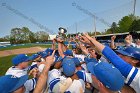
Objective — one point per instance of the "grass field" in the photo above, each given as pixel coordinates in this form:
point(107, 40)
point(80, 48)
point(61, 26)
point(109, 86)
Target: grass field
point(6, 62)
point(25, 46)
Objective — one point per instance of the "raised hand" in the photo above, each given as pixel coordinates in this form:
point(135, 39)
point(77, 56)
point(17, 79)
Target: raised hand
point(113, 38)
point(128, 39)
point(83, 48)
point(85, 40)
point(50, 59)
point(87, 36)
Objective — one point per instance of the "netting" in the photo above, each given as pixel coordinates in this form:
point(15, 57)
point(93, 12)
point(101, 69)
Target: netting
point(103, 19)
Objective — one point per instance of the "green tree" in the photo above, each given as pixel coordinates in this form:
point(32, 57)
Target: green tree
point(15, 36)
point(108, 31)
point(5, 39)
point(114, 28)
point(41, 36)
point(93, 33)
point(135, 26)
point(2, 40)
point(125, 23)
point(21, 35)
point(25, 34)
point(32, 37)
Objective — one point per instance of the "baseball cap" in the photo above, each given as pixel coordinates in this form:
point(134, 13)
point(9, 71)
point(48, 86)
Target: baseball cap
point(120, 47)
point(10, 83)
point(61, 85)
point(107, 74)
point(87, 60)
point(68, 52)
point(77, 61)
point(131, 52)
point(68, 66)
point(20, 58)
point(39, 53)
point(58, 59)
point(33, 57)
point(49, 51)
point(44, 54)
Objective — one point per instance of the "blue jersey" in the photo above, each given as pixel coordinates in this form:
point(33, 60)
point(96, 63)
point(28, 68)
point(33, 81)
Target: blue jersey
point(131, 74)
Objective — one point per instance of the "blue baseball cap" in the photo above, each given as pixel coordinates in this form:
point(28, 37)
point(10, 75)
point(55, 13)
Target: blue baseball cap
point(77, 61)
point(44, 54)
point(9, 83)
point(33, 57)
point(87, 60)
point(108, 75)
point(68, 66)
point(39, 53)
point(68, 52)
point(120, 47)
point(49, 51)
point(20, 58)
point(131, 52)
point(58, 59)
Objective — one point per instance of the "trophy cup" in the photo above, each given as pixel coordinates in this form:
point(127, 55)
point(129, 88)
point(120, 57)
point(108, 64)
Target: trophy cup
point(61, 33)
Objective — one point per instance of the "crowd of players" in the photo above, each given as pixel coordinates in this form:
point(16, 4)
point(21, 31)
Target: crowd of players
point(84, 67)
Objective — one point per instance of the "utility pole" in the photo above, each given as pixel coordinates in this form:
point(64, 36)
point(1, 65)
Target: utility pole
point(94, 25)
point(134, 8)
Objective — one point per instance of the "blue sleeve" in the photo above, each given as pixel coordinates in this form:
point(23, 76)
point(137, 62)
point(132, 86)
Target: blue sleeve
point(81, 75)
point(119, 63)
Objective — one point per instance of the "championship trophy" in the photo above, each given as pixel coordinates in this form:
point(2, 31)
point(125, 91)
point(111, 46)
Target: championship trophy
point(61, 33)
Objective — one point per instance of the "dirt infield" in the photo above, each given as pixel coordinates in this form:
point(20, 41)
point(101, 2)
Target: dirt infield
point(20, 51)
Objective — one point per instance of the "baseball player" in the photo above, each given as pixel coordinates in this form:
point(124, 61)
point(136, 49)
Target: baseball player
point(16, 76)
point(132, 74)
point(20, 67)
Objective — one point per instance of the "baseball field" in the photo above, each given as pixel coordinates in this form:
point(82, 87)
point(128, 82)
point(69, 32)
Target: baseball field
point(7, 53)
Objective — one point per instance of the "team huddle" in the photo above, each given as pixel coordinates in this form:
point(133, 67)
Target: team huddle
point(87, 66)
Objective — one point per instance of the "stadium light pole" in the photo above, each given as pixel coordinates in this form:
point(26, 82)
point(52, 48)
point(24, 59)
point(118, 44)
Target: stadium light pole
point(94, 25)
point(134, 8)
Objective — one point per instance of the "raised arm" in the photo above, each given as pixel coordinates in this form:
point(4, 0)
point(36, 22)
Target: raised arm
point(53, 44)
point(123, 66)
point(42, 80)
point(60, 46)
point(94, 42)
point(128, 40)
point(112, 45)
point(83, 48)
